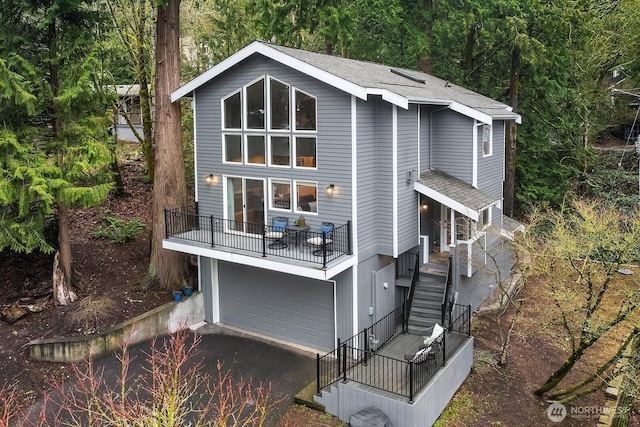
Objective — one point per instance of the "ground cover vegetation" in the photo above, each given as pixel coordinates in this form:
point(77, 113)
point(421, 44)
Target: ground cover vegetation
point(553, 63)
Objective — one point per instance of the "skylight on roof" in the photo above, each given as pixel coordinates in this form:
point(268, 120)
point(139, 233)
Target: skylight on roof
point(407, 75)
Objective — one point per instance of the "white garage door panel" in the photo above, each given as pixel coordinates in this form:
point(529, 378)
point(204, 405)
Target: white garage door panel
point(286, 307)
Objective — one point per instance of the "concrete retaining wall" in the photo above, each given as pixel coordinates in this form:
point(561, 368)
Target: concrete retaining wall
point(163, 320)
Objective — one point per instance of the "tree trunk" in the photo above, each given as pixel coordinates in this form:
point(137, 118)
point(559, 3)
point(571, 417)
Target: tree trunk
point(511, 136)
point(63, 293)
point(425, 57)
point(168, 269)
point(64, 240)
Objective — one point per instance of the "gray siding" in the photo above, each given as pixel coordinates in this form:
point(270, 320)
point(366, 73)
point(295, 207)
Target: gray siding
point(204, 267)
point(408, 226)
point(344, 304)
point(367, 290)
point(374, 155)
point(333, 142)
point(425, 137)
point(490, 168)
point(452, 137)
point(291, 308)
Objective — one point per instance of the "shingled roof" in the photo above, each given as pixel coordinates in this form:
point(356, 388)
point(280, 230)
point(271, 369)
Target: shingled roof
point(360, 78)
point(454, 193)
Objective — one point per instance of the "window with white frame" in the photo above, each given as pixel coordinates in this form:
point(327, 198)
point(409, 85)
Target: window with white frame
point(280, 149)
point(268, 122)
point(306, 197)
point(281, 194)
point(485, 218)
point(487, 145)
point(232, 148)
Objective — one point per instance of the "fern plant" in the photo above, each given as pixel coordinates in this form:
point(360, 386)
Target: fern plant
point(118, 230)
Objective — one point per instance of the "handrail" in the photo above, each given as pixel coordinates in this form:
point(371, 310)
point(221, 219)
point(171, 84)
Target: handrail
point(446, 304)
point(348, 362)
point(186, 224)
point(369, 339)
point(415, 275)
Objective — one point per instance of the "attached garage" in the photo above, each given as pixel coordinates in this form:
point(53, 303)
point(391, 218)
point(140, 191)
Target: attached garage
point(283, 306)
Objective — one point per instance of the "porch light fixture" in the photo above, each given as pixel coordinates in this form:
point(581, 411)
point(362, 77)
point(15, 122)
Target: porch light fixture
point(331, 189)
point(424, 206)
point(210, 179)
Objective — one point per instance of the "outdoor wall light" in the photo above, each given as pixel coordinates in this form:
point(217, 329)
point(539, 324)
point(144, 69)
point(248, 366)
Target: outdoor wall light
point(210, 179)
point(424, 206)
point(331, 189)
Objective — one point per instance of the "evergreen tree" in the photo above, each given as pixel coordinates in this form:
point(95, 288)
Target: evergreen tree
point(56, 127)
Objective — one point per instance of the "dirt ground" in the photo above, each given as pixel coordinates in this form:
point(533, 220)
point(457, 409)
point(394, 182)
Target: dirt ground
point(491, 395)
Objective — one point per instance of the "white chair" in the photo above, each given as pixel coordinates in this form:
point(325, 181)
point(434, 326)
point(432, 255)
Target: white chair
point(323, 237)
point(277, 233)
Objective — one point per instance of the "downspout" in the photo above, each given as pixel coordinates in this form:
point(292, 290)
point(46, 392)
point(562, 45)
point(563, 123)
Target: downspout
point(474, 154)
point(354, 214)
point(394, 180)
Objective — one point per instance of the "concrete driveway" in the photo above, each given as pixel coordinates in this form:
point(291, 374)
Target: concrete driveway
point(287, 369)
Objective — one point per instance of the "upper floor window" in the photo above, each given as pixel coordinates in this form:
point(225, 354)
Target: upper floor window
point(306, 196)
point(232, 111)
point(269, 122)
point(487, 146)
point(305, 111)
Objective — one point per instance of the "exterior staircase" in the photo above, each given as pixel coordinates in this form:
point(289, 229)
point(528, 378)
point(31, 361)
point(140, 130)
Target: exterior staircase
point(426, 306)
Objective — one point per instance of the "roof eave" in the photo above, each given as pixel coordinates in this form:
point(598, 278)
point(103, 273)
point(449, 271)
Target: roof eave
point(276, 55)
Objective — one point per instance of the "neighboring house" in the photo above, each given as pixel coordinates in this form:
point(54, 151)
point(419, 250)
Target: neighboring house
point(403, 166)
point(128, 107)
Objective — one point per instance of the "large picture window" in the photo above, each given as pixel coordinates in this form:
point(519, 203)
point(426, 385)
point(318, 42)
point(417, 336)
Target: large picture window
point(232, 107)
point(305, 111)
point(255, 105)
point(270, 123)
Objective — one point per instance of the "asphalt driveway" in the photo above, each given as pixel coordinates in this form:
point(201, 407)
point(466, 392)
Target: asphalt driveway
point(288, 370)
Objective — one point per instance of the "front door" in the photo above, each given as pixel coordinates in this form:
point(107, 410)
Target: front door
point(245, 204)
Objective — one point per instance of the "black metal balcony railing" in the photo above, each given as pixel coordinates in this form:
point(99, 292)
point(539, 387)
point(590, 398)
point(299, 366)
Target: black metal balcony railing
point(354, 360)
point(186, 224)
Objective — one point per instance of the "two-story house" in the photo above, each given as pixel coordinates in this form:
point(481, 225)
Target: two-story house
point(321, 182)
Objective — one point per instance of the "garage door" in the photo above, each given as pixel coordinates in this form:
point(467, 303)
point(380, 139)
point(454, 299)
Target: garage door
point(282, 306)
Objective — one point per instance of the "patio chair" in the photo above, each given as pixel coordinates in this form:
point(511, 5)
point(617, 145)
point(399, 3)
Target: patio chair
point(432, 344)
point(277, 233)
point(325, 235)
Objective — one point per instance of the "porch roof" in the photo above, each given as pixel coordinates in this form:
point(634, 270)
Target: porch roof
point(454, 193)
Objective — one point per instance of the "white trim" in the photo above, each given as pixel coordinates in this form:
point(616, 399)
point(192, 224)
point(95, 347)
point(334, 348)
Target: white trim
point(490, 127)
point(270, 137)
point(354, 303)
point(269, 105)
point(394, 180)
point(292, 114)
point(272, 264)
point(294, 195)
point(245, 105)
point(270, 183)
point(354, 210)
point(448, 202)
point(474, 154)
point(276, 55)
point(470, 112)
point(196, 175)
point(224, 110)
point(390, 97)
point(354, 175)
point(335, 313)
point(215, 291)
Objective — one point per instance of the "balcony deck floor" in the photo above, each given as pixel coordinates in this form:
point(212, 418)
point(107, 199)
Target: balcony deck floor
point(298, 252)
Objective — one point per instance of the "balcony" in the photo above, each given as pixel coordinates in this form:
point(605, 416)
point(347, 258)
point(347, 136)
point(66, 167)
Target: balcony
point(184, 223)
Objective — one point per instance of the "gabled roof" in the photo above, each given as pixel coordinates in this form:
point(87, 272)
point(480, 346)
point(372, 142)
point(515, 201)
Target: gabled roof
point(400, 87)
point(454, 193)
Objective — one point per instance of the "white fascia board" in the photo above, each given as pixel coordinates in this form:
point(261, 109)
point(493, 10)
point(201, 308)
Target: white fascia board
point(276, 55)
point(516, 117)
point(390, 97)
point(444, 200)
point(258, 262)
point(470, 112)
point(394, 180)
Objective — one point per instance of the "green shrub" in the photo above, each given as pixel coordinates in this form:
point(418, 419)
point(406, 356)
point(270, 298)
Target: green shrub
point(118, 230)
